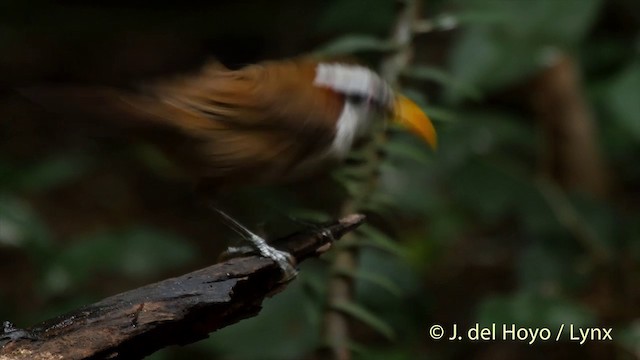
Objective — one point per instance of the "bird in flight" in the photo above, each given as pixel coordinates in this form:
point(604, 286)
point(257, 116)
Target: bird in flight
point(261, 124)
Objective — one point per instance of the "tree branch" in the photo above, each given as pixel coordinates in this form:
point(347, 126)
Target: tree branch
point(179, 310)
point(571, 154)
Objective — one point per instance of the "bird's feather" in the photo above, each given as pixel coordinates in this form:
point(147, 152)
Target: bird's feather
point(261, 123)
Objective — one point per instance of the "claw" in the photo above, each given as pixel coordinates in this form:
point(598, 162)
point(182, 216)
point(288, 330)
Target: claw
point(285, 261)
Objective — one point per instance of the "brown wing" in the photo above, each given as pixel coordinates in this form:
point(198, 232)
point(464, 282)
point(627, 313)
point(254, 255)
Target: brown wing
point(257, 123)
point(253, 124)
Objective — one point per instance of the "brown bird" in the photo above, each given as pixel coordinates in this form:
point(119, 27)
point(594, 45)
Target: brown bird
point(263, 123)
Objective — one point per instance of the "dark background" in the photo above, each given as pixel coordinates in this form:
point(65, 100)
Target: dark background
point(527, 214)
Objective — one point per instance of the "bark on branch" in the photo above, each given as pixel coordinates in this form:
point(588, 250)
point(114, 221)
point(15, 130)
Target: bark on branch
point(179, 310)
point(571, 154)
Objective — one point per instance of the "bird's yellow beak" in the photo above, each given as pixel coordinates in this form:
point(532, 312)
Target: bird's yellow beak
point(408, 114)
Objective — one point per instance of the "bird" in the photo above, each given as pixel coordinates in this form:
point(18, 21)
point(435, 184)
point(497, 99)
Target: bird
point(264, 123)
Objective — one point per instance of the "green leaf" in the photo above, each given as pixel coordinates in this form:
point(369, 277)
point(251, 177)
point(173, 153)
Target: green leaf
point(529, 309)
point(352, 44)
point(487, 62)
point(376, 279)
point(20, 226)
point(365, 316)
point(155, 159)
point(492, 55)
point(136, 252)
point(427, 73)
point(593, 225)
point(487, 189)
point(629, 337)
point(480, 16)
point(310, 215)
point(54, 171)
point(383, 353)
point(296, 337)
point(379, 208)
point(356, 16)
point(379, 203)
point(622, 99)
point(440, 114)
point(357, 156)
point(550, 264)
point(408, 150)
point(349, 172)
point(548, 22)
point(353, 187)
point(373, 237)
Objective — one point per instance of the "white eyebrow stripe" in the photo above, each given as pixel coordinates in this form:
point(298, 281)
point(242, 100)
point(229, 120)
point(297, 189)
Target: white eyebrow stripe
point(350, 79)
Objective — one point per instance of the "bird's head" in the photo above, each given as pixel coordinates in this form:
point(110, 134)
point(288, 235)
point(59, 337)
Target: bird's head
point(368, 96)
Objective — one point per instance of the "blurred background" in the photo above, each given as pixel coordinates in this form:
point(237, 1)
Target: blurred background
point(527, 213)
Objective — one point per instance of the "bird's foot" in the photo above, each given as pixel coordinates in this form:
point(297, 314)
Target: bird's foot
point(11, 333)
point(285, 261)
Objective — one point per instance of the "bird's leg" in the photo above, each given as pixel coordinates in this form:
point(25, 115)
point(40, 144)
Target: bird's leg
point(284, 260)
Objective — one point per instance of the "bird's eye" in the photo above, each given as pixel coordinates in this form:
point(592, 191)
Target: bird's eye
point(356, 99)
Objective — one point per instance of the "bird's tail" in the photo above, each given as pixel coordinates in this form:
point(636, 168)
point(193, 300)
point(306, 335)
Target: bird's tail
point(97, 108)
point(113, 115)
